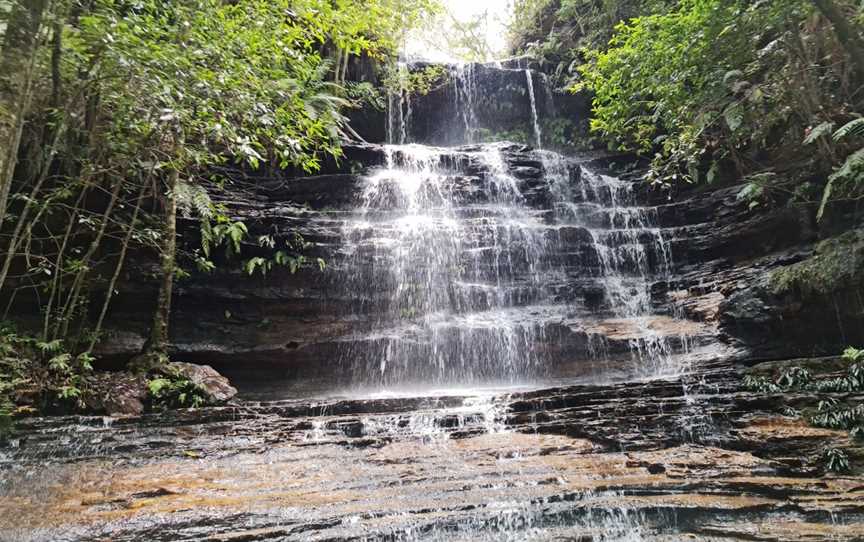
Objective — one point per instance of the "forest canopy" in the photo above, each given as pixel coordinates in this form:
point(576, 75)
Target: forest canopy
point(117, 117)
point(714, 89)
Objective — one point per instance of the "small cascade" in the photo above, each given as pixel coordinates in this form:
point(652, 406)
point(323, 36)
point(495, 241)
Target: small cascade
point(465, 96)
point(399, 109)
point(632, 255)
point(452, 274)
point(455, 269)
point(538, 133)
point(405, 134)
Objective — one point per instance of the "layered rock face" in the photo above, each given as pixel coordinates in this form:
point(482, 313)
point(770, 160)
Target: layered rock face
point(478, 264)
point(666, 460)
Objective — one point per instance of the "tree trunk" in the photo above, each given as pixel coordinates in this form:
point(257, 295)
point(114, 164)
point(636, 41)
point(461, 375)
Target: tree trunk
point(846, 32)
point(109, 295)
point(16, 78)
point(158, 344)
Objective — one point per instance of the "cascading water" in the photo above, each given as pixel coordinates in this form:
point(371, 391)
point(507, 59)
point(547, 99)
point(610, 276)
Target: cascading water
point(456, 274)
point(399, 110)
point(465, 96)
point(451, 272)
point(538, 133)
point(632, 254)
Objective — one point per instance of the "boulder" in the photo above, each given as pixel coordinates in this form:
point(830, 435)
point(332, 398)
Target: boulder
point(215, 387)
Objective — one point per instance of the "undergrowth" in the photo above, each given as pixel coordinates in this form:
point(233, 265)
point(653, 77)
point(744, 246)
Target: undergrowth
point(838, 263)
point(838, 411)
point(38, 375)
point(170, 390)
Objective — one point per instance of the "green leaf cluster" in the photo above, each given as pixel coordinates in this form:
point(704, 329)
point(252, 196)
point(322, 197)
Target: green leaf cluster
point(170, 392)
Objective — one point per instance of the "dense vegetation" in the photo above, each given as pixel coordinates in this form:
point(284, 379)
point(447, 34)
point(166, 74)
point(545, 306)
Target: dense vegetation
point(766, 92)
point(827, 395)
point(115, 117)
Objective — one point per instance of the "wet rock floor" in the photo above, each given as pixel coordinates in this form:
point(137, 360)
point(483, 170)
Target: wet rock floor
point(688, 458)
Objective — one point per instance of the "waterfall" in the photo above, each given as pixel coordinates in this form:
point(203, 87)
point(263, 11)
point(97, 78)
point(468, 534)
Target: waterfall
point(456, 273)
point(406, 123)
point(455, 285)
point(465, 96)
point(398, 128)
point(538, 134)
point(632, 254)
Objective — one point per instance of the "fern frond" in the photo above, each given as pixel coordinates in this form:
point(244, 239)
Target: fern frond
point(193, 200)
point(853, 128)
point(826, 128)
point(851, 169)
point(853, 166)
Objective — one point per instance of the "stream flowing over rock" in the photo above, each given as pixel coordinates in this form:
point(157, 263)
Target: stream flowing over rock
point(504, 343)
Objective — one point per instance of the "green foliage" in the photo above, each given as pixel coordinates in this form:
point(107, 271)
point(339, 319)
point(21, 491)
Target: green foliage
point(846, 179)
point(837, 263)
point(365, 95)
point(854, 128)
point(823, 130)
point(173, 392)
point(146, 95)
point(836, 460)
point(853, 355)
point(760, 384)
point(699, 83)
point(36, 373)
point(559, 32)
point(678, 74)
point(289, 255)
point(838, 411)
point(401, 78)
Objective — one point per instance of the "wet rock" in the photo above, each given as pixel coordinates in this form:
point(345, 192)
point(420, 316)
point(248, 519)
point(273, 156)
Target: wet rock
point(117, 394)
point(672, 459)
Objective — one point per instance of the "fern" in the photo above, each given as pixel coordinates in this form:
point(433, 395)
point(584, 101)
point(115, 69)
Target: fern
point(850, 170)
point(822, 130)
point(193, 200)
point(853, 128)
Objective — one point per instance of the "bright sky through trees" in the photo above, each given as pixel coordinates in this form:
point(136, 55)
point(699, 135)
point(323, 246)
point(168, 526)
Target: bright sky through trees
point(432, 45)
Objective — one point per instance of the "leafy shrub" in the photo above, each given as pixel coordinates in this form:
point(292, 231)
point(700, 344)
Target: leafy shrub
point(172, 392)
point(760, 384)
point(830, 412)
point(47, 371)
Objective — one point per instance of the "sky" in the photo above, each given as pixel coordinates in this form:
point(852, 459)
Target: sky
point(465, 10)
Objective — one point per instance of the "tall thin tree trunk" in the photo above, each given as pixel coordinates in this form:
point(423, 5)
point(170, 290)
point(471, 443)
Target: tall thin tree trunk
point(56, 56)
point(58, 264)
point(846, 32)
point(121, 259)
point(158, 344)
point(16, 81)
point(78, 284)
point(21, 225)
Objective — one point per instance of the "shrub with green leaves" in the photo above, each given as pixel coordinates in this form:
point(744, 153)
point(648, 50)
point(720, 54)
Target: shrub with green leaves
point(170, 392)
point(836, 460)
point(717, 86)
